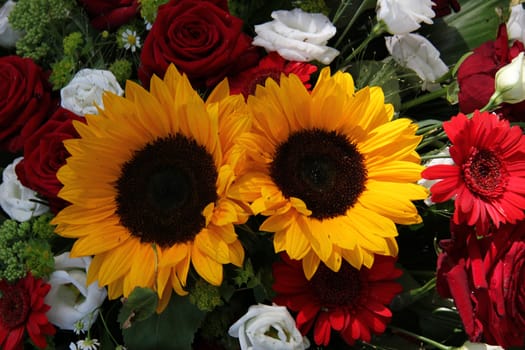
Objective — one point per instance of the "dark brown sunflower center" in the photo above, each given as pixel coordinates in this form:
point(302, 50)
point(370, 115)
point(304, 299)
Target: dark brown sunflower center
point(163, 189)
point(14, 307)
point(337, 288)
point(484, 174)
point(260, 79)
point(322, 168)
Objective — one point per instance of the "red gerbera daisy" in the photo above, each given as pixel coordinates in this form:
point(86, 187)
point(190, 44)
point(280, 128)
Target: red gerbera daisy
point(22, 307)
point(271, 66)
point(350, 301)
point(488, 177)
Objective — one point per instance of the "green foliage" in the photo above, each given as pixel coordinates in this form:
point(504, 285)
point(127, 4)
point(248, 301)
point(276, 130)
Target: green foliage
point(139, 306)
point(122, 69)
point(62, 72)
point(205, 296)
point(72, 43)
point(173, 329)
point(24, 246)
point(312, 6)
point(148, 9)
point(44, 23)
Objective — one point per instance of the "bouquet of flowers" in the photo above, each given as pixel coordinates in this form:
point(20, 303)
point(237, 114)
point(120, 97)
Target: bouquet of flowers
point(286, 174)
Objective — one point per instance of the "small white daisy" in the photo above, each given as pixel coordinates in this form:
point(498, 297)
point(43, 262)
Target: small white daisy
point(79, 327)
point(131, 40)
point(87, 344)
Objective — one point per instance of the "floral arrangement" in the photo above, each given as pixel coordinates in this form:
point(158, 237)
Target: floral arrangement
point(287, 174)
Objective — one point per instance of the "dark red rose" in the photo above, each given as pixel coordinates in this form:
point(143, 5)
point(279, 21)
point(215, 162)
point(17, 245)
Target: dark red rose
point(44, 154)
point(201, 39)
point(110, 14)
point(443, 7)
point(476, 75)
point(25, 101)
point(486, 278)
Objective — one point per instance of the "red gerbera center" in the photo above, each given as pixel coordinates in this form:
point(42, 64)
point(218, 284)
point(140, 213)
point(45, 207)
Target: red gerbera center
point(341, 288)
point(14, 306)
point(484, 174)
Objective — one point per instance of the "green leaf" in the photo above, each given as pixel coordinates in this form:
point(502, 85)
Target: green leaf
point(458, 33)
point(140, 305)
point(173, 329)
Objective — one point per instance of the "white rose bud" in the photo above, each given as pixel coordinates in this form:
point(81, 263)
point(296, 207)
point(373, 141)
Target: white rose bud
point(266, 327)
point(71, 300)
point(297, 36)
point(479, 346)
point(404, 16)
point(8, 35)
point(86, 89)
point(516, 23)
point(415, 52)
point(19, 202)
point(510, 81)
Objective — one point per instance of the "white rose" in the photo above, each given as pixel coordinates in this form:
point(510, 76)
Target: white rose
point(443, 157)
point(19, 202)
point(404, 16)
point(70, 299)
point(478, 346)
point(297, 36)
point(417, 53)
point(510, 81)
point(8, 35)
point(86, 89)
point(516, 23)
point(266, 327)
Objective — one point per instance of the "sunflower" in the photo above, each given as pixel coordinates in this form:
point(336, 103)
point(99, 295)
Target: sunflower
point(330, 169)
point(486, 179)
point(352, 302)
point(148, 184)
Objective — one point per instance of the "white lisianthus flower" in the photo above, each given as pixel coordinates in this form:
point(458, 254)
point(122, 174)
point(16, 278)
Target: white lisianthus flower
point(516, 23)
point(19, 202)
point(86, 89)
point(266, 327)
point(510, 81)
point(404, 16)
point(478, 346)
point(72, 301)
point(297, 36)
point(8, 35)
point(415, 52)
point(442, 157)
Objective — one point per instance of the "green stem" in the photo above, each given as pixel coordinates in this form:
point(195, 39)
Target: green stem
point(377, 30)
point(494, 102)
point(421, 338)
point(107, 328)
point(362, 7)
point(427, 157)
point(424, 98)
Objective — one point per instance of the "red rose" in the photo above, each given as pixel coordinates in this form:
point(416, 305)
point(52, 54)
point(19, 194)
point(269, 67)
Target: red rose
point(44, 154)
point(110, 14)
point(477, 73)
point(25, 101)
point(486, 278)
point(203, 40)
point(442, 7)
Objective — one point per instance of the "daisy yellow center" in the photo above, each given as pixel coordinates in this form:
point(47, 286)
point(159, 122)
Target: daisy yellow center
point(342, 288)
point(163, 189)
point(322, 168)
point(485, 174)
point(14, 307)
point(131, 39)
point(260, 79)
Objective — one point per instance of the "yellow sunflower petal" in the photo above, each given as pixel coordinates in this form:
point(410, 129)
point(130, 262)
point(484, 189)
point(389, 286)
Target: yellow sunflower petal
point(207, 268)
